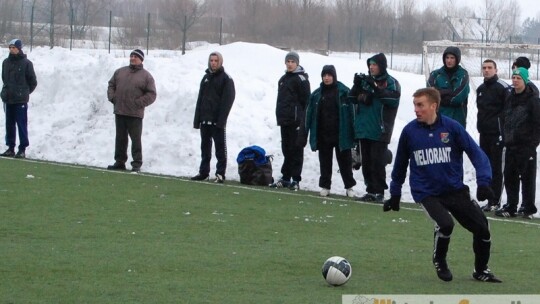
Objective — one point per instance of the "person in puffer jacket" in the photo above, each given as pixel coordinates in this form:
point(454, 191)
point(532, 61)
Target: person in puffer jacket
point(131, 89)
point(19, 81)
point(452, 82)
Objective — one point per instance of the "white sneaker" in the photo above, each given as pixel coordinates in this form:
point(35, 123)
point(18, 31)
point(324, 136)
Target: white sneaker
point(350, 192)
point(324, 192)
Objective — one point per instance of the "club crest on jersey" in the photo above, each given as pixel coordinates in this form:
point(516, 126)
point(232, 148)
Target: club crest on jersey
point(445, 137)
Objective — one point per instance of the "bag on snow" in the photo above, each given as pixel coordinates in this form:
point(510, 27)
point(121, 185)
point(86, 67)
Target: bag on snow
point(254, 166)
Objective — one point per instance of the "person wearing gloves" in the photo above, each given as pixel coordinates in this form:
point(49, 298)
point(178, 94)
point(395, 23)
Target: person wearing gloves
point(330, 124)
point(433, 145)
point(377, 97)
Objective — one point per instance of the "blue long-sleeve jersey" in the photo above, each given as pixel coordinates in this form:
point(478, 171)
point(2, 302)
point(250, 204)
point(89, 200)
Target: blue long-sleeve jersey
point(435, 153)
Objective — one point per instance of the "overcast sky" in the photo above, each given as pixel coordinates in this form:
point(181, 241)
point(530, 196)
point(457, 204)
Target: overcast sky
point(529, 8)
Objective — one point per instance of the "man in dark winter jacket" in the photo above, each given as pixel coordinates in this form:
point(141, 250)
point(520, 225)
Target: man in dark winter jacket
point(131, 89)
point(330, 124)
point(292, 98)
point(490, 97)
point(524, 62)
point(19, 81)
point(432, 146)
point(377, 97)
point(521, 137)
point(452, 82)
point(214, 103)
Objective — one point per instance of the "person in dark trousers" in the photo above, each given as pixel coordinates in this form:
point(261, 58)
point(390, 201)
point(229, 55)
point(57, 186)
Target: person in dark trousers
point(521, 137)
point(131, 89)
point(292, 98)
point(490, 97)
point(330, 124)
point(452, 82)
point(214, 103)
point(19, 81)
point(524, 62)
point(432, 146)
point(377, 97)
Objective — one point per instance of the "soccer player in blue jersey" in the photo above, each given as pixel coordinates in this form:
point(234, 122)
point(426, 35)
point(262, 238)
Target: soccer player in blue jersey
point(433, 146)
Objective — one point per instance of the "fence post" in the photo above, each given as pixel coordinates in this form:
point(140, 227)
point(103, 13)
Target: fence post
point(422, 62)
point(32, 29)
point(148, 34)
point(392, 50)
point(537, 58)
point(328, 42)
point(71, 31)
point(221, 31)
point(110, 30)
point(359, 42)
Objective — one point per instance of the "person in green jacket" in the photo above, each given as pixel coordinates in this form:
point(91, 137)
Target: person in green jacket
point(377, 97)
point(330, 125)
point(452, 82)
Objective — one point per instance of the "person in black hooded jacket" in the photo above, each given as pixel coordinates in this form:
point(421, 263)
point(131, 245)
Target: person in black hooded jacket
point(490, 97)
point(214, 103)
point(521, 138)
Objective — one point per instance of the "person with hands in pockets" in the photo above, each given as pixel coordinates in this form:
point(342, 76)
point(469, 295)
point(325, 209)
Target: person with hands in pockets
point(432, 146)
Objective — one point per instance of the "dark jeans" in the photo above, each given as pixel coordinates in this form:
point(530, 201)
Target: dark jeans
point(373, 165)
point(16, 118)
point(209, 133)
point(132, 126)
point(292, 153)
point(467, 212)
point(516, 173)
point(344, 159)
point(493, 148)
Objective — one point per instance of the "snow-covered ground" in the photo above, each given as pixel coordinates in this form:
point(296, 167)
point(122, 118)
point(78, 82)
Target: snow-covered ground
point(71, 121)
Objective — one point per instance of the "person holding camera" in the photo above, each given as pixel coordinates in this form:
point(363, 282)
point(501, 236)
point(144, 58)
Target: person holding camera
point(377, 97)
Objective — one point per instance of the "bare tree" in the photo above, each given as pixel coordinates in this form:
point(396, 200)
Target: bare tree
point(500, 19)
point(182, 14)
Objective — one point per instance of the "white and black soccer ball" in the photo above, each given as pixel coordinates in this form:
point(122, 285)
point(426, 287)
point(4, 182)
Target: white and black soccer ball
point(336, 270)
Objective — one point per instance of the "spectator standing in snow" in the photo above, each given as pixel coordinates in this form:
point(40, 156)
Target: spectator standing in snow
point(19, 81)
point(292, 98)
point(330, 124)
point(490, 98)
point(377, 97)
point(452, 82)
point(131, 89)
point(214, 103)
point(521, 137)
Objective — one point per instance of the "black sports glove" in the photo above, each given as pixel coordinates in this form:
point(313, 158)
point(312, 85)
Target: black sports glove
point(392, 203)
point(358, 79)
point(484, 193)
point(371, 82)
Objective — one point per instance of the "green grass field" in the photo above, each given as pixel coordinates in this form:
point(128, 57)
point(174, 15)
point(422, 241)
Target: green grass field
point(73, 234)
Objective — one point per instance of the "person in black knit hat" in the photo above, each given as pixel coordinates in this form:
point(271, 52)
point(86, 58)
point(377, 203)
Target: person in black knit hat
point(330, 124)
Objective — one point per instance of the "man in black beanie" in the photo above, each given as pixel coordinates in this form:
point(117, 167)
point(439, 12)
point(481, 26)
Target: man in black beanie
point(330, 124)
point(19, 81)
point(130, 98)
point(524, 62)
point(293, 93)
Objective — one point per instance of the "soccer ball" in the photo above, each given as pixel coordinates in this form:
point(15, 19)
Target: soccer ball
point(336, 271)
